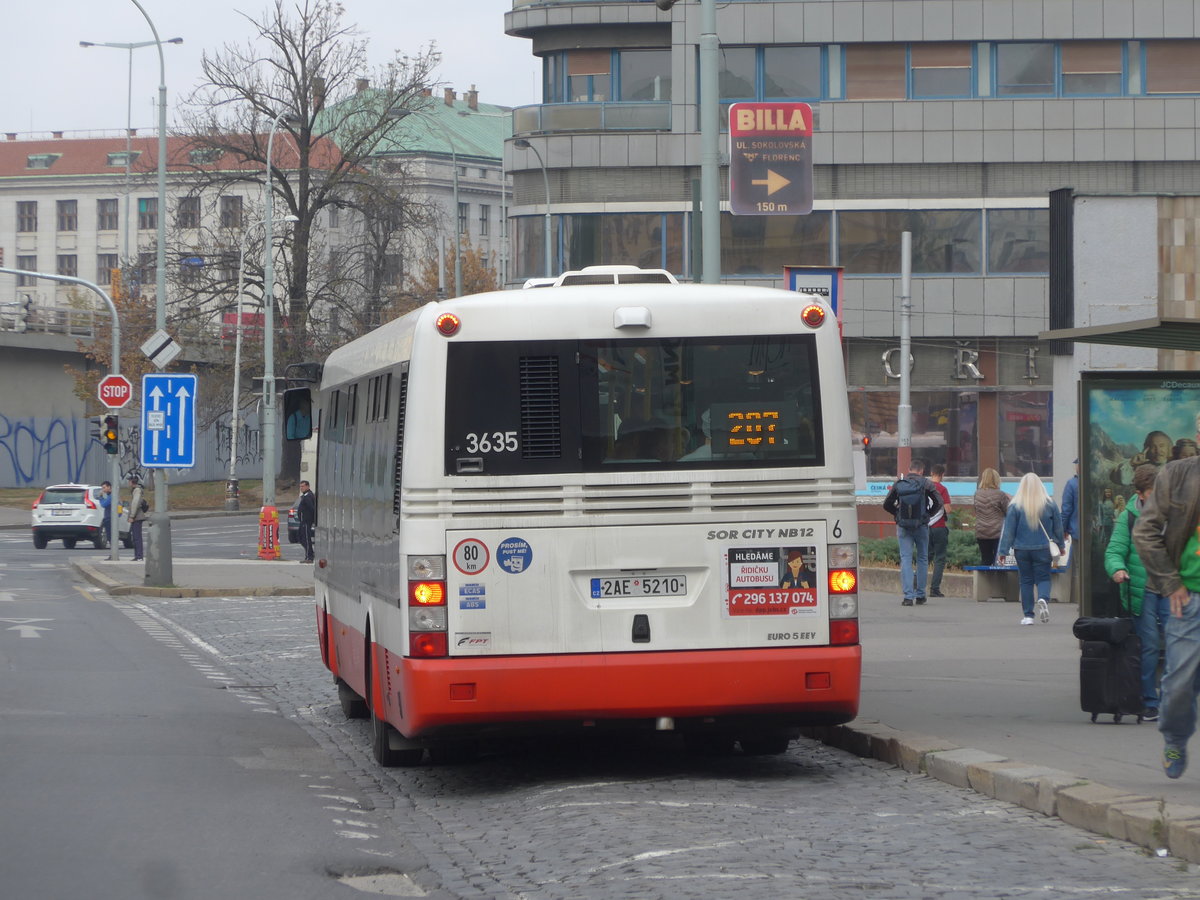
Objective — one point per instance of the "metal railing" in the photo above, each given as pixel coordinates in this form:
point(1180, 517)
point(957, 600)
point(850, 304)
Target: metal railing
point(609, 116)
point(35, 319)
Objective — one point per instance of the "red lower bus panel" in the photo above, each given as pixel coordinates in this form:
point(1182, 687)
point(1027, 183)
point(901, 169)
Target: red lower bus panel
point(816, 684)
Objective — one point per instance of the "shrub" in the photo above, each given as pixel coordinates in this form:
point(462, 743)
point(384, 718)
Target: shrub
point(961, 550)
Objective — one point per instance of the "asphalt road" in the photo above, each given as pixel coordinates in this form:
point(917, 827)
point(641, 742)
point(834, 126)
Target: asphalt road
point(194, 747)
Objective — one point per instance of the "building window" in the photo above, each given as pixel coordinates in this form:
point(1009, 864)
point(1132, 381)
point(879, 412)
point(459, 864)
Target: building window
point(763, 245)
point(393, 268)
point(464, 210)
point(1024, 70)
point(944, 242)
point(940, 70)
point(107, 218)
point(644, 74)
point(333, 216)
point(147, 213)
point(875, 72)
point(27, 215)
point(1092, 68)
point(1018, 241)
point(147, 267)
point(68, 264)
point(68, 215)
point(792, 73)
point(736, 78)
point(205, 156)
point(27, 264)
point(188, 214)
point(649, 240)
point(41, 160)
point(485, 213)
point(105, 263)
point(123, 158)
point(231, 212)
point(589, 75)
point(1173, 67)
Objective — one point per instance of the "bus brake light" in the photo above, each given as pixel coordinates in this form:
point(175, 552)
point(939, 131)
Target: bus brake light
point(428, 644)
point(843, 632)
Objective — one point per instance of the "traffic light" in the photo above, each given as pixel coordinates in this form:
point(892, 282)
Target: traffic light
point(98, 428)
point(866, 442)
point(110, 434)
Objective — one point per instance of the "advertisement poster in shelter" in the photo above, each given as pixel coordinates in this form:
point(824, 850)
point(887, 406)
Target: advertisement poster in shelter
point(1126, 420)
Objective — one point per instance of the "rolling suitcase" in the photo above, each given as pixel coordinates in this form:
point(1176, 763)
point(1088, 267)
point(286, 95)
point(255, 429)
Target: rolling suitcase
point(1110, 667)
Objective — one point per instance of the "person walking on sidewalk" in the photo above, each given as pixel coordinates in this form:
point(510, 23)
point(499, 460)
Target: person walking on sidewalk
point(306, 512)
point(1031, 524)
point(106, 499)
point(913, 501)
point(991, 504)
point(137, 516)
point(939, 532)
point(1149, 609)
point(1167, 542)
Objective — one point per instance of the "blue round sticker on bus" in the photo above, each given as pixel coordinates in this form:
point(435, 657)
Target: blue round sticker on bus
point(514, 555)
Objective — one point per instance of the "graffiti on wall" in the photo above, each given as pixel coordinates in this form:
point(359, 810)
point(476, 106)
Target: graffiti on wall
point(59, 449)
point(37, 451)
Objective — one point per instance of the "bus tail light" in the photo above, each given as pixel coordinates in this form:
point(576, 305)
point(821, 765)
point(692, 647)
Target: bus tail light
point(448, 324)
point(813, 315)
point(843, 632)
point(843, 594)
point(427, 606)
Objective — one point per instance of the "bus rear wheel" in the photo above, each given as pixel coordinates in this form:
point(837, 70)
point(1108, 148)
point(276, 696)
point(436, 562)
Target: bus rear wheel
point(353, 706)
point(386, 755)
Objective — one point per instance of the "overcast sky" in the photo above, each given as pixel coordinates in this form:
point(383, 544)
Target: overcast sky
point(49, 83)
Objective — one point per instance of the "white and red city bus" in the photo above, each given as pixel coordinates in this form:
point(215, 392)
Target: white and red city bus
point(589, 507)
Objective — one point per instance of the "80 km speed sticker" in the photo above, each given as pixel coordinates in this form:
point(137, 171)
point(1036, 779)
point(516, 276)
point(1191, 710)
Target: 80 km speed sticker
point(471, 556)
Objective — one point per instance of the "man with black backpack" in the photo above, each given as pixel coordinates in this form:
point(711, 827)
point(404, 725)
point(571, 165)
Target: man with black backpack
point(913, 500)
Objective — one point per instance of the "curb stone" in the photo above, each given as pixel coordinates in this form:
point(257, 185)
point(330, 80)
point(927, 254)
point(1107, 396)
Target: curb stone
point(1145, 821)
point(119, 589)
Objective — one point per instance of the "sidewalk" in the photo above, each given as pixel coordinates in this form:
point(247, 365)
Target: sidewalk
point(955, 689)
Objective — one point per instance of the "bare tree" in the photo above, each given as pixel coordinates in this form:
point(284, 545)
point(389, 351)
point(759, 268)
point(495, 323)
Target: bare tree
point(306, 70)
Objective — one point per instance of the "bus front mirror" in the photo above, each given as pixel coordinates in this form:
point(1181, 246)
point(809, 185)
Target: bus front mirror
point(297, 414)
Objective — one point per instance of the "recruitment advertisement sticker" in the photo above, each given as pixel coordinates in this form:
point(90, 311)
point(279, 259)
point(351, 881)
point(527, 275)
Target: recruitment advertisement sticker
point(771, 581)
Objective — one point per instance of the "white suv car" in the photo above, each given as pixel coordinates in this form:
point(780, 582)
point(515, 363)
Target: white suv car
point(73, 512)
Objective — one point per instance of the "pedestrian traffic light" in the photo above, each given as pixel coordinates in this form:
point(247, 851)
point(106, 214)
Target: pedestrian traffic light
point(866, 442)
point(110, 434)
point(98, 428)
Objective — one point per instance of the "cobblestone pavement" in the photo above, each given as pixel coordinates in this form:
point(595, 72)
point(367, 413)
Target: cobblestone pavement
point(640, 819)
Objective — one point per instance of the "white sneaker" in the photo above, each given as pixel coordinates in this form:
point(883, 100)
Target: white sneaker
point(1042, 610)
point(1028, 620)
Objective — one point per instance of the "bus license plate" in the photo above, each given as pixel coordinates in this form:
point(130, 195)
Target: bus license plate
point(640, 586)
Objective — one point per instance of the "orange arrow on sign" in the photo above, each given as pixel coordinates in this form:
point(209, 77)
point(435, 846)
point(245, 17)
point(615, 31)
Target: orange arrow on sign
point(774, 181)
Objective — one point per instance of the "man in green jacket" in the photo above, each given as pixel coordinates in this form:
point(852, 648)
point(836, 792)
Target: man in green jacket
point(1150, 610)
point(1167, 541)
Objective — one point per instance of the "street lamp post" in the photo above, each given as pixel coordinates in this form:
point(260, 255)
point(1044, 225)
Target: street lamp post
point(231, 500)
point(158, 559)
point(130, 46)
point(268, 419)
point(525, 145)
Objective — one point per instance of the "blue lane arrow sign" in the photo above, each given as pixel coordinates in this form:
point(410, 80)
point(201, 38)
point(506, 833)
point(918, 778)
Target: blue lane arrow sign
point(169, 421)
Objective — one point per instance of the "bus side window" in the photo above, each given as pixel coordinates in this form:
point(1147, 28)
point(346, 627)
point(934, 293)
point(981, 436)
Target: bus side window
point(297, 414)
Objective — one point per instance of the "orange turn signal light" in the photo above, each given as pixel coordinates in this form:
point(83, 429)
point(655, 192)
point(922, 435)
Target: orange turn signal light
point(843, 581)
point(426, 593)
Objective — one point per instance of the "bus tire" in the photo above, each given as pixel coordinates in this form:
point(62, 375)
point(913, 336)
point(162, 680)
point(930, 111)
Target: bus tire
point(386, 755)
point(353, 706)
point(765, 744)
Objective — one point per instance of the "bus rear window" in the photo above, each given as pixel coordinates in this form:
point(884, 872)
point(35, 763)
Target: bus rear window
point(681, 403)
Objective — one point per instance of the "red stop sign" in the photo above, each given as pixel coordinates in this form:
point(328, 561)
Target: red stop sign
point(114, 391)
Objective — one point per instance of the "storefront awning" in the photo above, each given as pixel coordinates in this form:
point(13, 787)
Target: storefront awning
point(1166, 334)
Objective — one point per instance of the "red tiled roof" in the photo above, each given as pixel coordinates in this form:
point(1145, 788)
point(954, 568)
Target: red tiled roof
point(89, 156)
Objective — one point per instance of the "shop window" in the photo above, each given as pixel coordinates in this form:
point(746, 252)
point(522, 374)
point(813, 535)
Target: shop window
point(875, 72)
point(1018, 241)
point(944, 241)
point(1091, 68)
point(944, 430)
point(1173, 67)
point(763, 245)
point(1024, 70)
point(1024, 430)
point(940, 70)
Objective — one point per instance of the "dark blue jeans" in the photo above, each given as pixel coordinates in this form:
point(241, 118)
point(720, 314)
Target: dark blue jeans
point(1033, 571)
point(939, 540)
